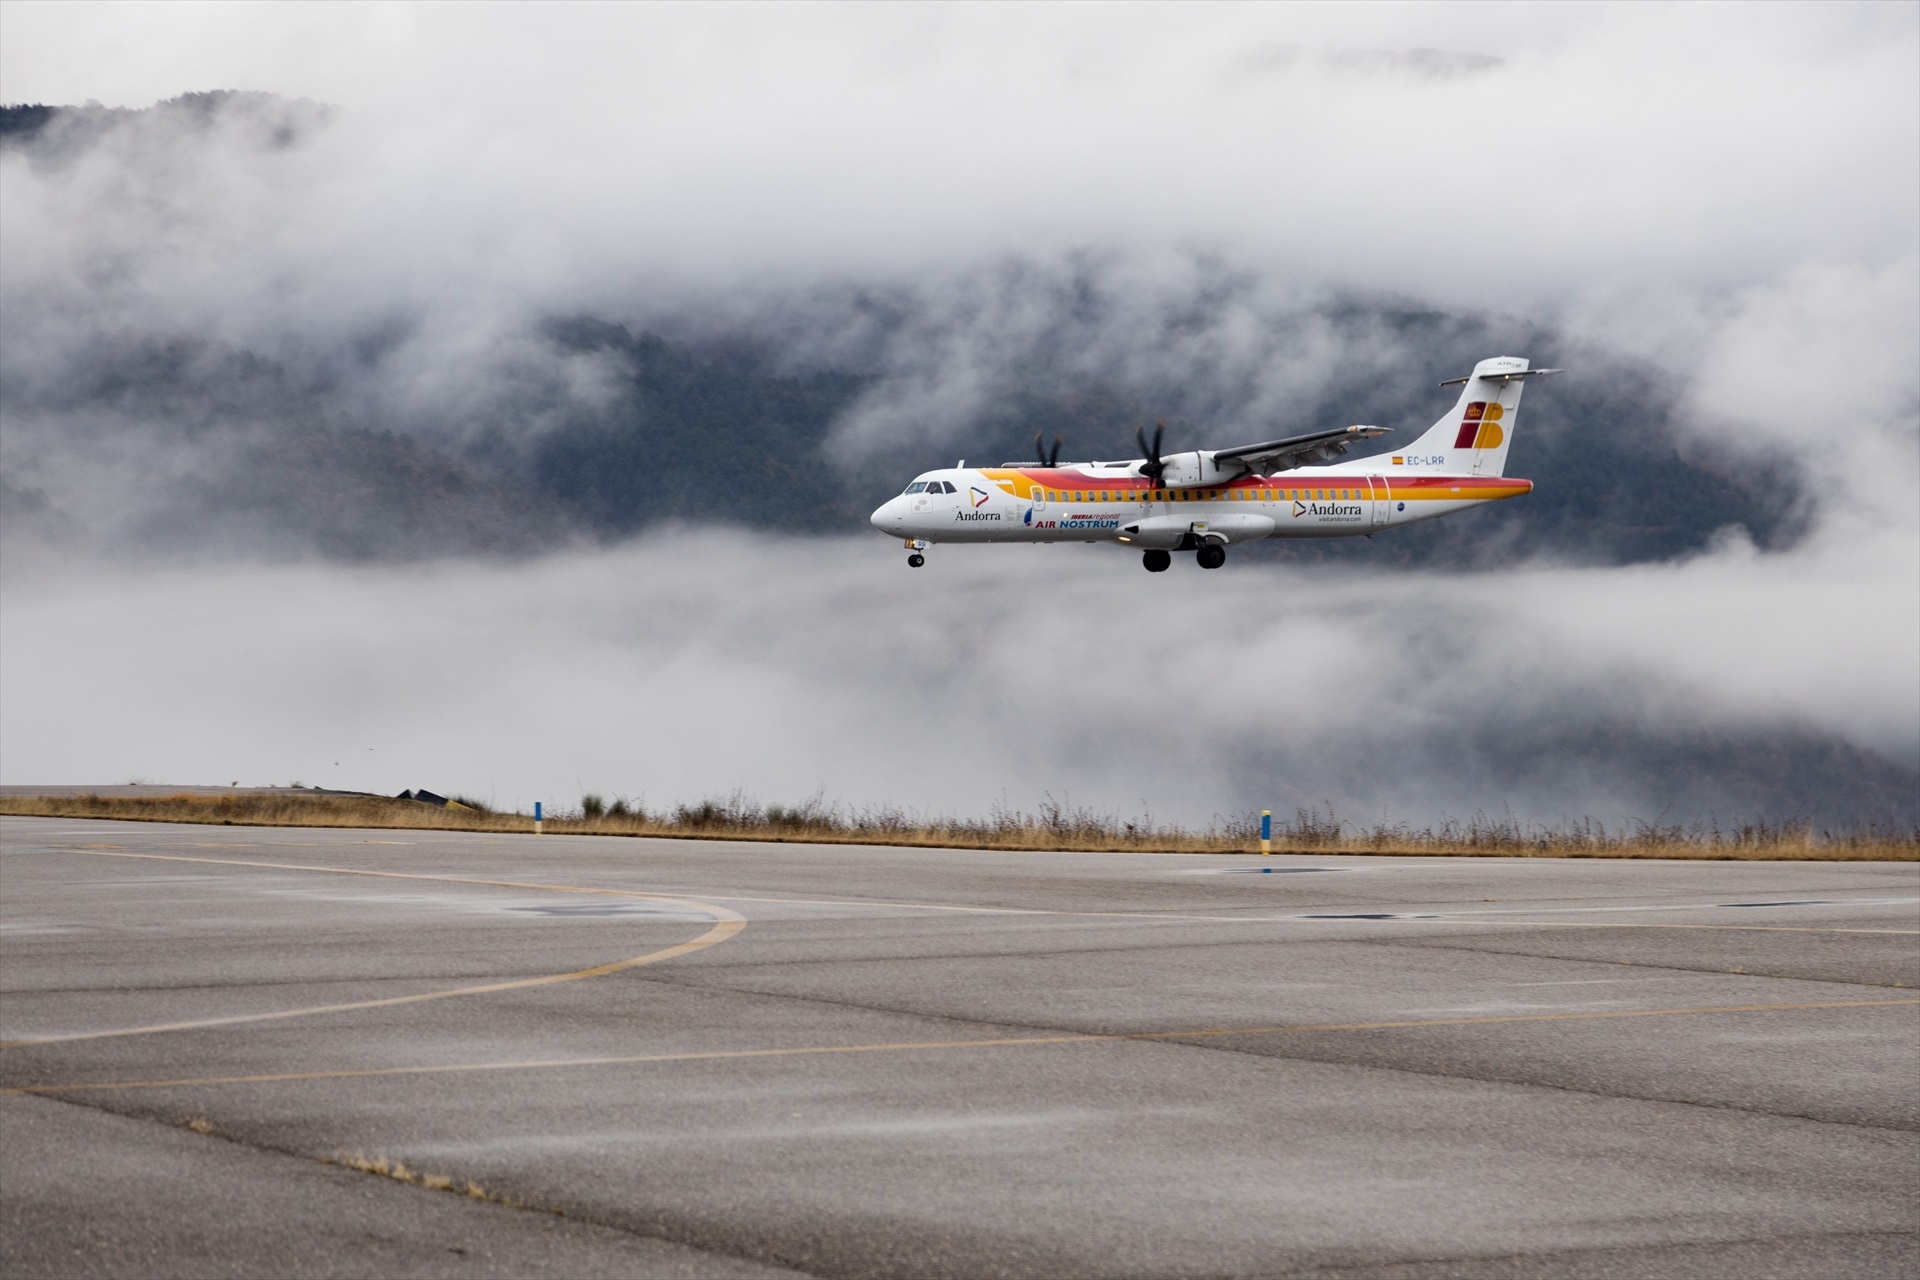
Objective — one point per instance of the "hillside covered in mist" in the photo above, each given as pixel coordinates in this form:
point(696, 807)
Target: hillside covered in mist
point(790, 411)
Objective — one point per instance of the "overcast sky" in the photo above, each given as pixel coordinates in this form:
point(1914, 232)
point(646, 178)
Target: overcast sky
point(1732, 192)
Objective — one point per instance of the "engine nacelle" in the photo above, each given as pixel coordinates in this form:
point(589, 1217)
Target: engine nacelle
point(1196, 470)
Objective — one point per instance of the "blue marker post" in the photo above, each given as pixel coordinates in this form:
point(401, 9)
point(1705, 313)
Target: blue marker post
point(1266, 832)
point(536, 817)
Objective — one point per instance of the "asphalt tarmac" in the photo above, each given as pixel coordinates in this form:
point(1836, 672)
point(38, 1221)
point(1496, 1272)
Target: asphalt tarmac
point(601, 1056)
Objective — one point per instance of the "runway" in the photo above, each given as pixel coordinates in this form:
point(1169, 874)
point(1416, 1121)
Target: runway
point(599, 1056)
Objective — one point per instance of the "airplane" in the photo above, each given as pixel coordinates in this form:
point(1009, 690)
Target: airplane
point(1205, 500)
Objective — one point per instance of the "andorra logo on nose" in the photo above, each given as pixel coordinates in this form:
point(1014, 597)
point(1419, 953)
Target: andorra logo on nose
point(979, 497)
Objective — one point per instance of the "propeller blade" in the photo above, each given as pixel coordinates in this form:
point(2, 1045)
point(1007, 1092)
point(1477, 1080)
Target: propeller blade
point(1040, 446)
point(1152, 467)
point(1053, 459)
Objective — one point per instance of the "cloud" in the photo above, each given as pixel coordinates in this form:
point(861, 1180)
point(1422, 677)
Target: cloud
point(579, 151)
point(694, 662)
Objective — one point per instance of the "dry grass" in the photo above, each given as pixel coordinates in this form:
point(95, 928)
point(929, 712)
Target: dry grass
point(381, 1167)
point(1055, 827)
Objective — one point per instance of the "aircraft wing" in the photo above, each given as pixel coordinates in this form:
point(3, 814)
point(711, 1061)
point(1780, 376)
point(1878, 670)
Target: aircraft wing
point(1294, 451)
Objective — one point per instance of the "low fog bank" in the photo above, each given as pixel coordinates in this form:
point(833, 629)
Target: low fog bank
point(695, 662)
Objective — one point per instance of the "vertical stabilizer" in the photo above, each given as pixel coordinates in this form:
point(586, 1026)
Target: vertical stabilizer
point(1473, 438)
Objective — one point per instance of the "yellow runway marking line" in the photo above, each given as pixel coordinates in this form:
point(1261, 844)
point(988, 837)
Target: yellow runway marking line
point(726, 924)
point(916, 1046)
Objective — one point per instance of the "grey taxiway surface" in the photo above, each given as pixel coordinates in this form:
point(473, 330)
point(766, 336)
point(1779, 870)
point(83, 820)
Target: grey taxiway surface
point(672, 1058)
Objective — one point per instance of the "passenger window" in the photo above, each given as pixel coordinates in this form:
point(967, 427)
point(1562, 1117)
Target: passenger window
point(1052, 496)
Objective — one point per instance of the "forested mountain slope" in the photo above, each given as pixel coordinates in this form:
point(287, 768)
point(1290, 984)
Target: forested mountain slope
point(139, 426)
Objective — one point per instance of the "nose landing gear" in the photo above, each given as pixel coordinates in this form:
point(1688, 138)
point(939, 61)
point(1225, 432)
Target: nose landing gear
point(915, 560)
point(1211, 556)
point(1156, 561)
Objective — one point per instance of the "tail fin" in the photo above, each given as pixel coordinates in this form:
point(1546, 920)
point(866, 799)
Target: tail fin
point(1473, 439)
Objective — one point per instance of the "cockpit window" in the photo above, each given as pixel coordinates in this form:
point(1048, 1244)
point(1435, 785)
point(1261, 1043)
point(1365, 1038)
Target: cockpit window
point(946, 486)
point(917, 486)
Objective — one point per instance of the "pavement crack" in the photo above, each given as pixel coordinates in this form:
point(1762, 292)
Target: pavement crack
point(1220, 1045)
point(398, 1173)
point(1447, 944)
point(1331, 1271)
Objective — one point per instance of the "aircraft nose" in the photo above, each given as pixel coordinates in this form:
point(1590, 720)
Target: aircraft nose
point(889, 518)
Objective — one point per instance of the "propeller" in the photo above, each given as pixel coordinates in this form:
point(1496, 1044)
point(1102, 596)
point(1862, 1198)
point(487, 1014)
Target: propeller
point(1153, 466)
point(1047, 459)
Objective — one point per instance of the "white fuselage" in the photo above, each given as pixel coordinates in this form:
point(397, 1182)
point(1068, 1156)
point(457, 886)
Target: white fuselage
point(1110, 502)
point(1202, 500)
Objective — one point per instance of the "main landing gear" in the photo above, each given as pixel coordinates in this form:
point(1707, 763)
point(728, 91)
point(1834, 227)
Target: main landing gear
point(1210, 555)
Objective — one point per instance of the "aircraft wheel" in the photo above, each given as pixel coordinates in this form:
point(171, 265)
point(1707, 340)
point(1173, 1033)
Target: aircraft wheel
point(1156, 561)
point(915, 560)
point(1211, 556)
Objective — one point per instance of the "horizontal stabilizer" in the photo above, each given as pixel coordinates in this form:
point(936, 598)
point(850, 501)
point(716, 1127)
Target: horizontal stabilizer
point(1501, 376)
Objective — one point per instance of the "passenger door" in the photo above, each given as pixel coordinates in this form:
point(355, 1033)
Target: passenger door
point(1382, 501)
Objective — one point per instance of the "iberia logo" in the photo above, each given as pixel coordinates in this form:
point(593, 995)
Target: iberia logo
point(1480, 428)
point(979, 497)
